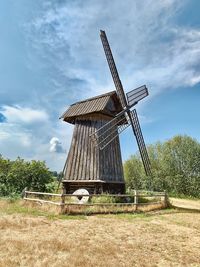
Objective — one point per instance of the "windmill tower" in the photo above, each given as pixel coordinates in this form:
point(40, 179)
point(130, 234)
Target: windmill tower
point(94, 160)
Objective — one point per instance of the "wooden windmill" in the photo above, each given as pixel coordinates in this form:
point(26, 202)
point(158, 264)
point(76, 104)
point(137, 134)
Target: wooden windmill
point(94, 160)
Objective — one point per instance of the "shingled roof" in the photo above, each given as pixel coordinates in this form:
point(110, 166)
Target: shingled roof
point(96, 104)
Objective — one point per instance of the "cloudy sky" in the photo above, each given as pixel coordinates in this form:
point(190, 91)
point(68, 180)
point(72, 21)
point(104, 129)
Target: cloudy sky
point(51, 56)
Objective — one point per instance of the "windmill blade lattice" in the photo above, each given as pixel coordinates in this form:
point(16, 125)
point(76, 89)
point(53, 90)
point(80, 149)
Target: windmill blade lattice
point(140, 142)
point(134, 96)
point(108, 132)
point(113, 69)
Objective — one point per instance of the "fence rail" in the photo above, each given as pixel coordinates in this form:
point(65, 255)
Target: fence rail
point(65, 200)
point(136, 193)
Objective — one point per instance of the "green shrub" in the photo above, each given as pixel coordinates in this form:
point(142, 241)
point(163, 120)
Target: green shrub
point(19, 174)
point(175, 168)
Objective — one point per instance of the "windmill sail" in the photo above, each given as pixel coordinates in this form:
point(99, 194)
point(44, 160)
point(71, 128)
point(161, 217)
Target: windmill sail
point(108, 132)
point(113, 69)
point(134, 96)
point(140, 141)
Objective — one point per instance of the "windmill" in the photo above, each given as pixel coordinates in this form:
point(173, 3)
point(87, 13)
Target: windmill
point(94, 159)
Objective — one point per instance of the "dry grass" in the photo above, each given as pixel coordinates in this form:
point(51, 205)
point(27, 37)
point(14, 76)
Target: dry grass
point(162, 238)
point(112, 208)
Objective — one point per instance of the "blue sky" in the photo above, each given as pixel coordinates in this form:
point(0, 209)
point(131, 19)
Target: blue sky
point(51, 56)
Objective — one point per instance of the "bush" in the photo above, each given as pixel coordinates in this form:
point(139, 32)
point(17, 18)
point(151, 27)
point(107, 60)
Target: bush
point(175, 168)
point(19, 174)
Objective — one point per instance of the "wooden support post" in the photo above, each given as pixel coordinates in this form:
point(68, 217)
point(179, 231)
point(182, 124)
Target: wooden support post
point(135, 199)
point(166, 200)
point(62, 204)
point(64, 191)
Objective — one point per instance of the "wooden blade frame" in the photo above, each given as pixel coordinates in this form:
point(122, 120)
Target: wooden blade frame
point(113, 69)
point(140, 141)
point(108, 132)
point(134, 96)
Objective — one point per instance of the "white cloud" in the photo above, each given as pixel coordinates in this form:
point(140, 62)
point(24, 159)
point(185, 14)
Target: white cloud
point(14, 132)
point(33, 143)
point(194, 80)
point(148, 46)
point(16, 141)
point(18, 114)
point(144, 119)
point(56, 146)
point(28, 135)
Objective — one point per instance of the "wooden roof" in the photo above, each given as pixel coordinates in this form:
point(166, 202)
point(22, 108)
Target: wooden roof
point(98, 104)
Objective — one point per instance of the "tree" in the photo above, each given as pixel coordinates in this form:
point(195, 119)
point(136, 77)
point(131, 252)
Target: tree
point(18, 174)
point(134, 172)
point(175, 166)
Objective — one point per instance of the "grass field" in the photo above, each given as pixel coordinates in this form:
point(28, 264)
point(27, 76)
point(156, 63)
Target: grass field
point(29, 237)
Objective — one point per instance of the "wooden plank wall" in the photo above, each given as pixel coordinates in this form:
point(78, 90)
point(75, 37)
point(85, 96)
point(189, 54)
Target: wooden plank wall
point(87, 162)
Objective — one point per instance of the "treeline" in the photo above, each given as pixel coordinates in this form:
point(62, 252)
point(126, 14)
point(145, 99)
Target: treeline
point(175, 167)
point(19, 174)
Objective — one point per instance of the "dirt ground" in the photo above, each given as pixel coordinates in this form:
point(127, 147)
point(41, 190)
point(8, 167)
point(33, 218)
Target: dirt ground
point(163, 238)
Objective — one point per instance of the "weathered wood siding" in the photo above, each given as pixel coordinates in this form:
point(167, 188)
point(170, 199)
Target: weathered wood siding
point(87, 162)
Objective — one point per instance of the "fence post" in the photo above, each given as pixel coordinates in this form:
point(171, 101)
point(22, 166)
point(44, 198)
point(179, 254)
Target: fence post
point(135, 199)
point(166, 200)
point(62, 204)
point(23, 193)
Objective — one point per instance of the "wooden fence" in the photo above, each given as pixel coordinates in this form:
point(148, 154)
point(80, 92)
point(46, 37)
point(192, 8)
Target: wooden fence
point(66, 201)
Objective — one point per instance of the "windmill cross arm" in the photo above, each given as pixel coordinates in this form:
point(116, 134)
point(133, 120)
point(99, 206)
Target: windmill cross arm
point(140, 141)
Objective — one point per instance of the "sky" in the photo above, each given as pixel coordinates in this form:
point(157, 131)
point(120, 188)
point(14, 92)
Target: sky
point(51, 56)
